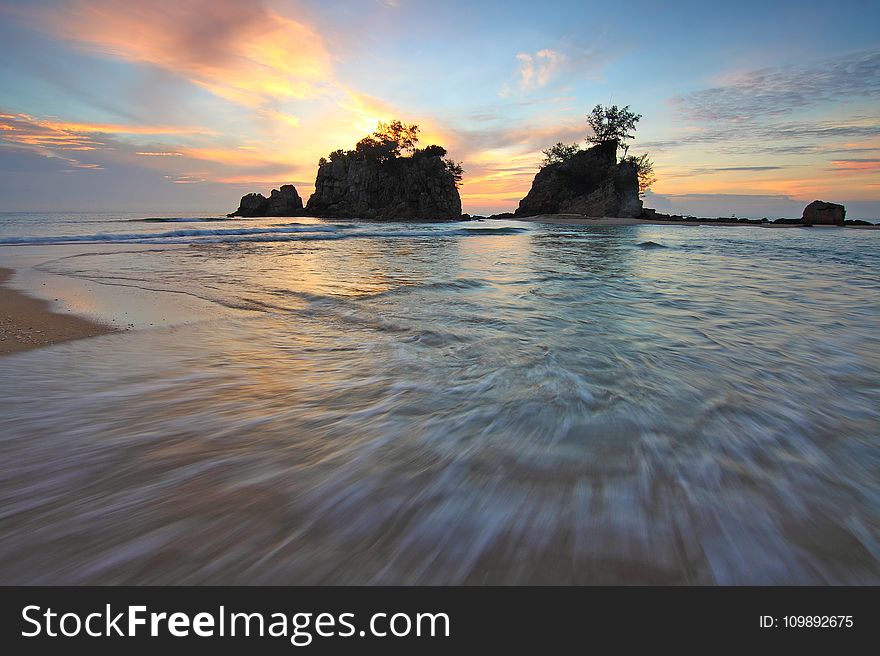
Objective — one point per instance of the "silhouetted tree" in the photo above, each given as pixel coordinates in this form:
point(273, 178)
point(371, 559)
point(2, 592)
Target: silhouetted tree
point(388, 142)
point(373, 149)
point(560, 152)
point(645, 171)
point(430, 151)
point(398, 136)
point(610, 123)
point(455, 169)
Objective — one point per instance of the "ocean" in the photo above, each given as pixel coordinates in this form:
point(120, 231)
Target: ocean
point(457, 403)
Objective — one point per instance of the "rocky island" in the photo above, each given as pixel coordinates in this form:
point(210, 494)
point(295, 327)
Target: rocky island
point(416, 187)
point(822, 213)
point(590, 182)
point(385, 177)
point(281, 202)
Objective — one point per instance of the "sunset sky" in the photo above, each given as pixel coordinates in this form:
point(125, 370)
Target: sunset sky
point(751, 108)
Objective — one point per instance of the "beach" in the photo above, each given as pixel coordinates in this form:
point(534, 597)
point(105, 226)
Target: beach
point(28, 323)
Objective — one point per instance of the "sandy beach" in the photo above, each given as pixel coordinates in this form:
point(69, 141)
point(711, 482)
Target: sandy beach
point(27, 323)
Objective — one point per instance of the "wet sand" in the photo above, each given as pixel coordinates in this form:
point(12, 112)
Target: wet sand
point(28, 323)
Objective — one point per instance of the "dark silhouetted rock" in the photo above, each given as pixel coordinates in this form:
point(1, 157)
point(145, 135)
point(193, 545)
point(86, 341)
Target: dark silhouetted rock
point(285, 202)
point(252, 205)
point(821, 213)
point(591, 183)
point(281, 202)
point(399, 188)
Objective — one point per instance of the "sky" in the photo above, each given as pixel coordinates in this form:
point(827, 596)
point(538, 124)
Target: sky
point(164, 106)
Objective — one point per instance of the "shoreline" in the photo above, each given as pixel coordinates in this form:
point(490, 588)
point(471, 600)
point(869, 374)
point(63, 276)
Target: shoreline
point(28, 323)
point(577, 219)
point(39, 307)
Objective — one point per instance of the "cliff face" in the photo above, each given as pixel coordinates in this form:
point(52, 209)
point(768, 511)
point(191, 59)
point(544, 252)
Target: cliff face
point(281, 202)
point(400, 188)
point(591, 183)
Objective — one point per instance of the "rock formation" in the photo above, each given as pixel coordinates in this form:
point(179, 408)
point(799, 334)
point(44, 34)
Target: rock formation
point(418, 187)
point(591, 183)
point(281, 202)
point(821, 213)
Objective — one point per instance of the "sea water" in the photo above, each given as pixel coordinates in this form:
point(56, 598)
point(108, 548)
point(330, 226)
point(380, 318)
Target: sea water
point(476, 402)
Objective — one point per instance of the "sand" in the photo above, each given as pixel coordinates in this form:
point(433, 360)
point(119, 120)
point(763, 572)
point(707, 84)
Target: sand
point(28, 323)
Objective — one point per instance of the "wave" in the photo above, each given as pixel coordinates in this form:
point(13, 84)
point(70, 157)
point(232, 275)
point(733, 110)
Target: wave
point(281, 233)
point(495, 231)
point(367, 234)
point(176, 219)
point(151, 237)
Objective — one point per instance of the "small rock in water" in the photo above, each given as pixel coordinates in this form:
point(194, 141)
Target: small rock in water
point(651, 244)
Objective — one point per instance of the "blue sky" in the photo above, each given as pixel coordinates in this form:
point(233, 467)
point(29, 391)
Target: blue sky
point(164, 106)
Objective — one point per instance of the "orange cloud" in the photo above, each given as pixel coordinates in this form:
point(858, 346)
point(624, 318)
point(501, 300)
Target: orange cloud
point(241, 51)
point(856, 165)
point(28, 130)
point(24, 130)
point(57, 139)
point(115, 128)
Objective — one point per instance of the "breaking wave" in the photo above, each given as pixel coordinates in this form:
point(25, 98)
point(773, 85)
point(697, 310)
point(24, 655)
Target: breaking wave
point(286, 232)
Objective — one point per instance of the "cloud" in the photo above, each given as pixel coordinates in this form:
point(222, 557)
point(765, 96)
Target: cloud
point(243, 52)
point(59, 140)
point(859, 165)
point(73, 135)
point(772, 137)
point(709, 170)
point(746, 168)
point(783, 90)
point(62, 145)
point(536, 70)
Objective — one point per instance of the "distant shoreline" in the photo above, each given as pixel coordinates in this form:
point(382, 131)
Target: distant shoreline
point(577, 219)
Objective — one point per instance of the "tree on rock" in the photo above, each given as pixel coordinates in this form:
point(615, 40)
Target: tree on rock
point(645, 171)
point(619, 124)
point(612, 124)
point(388, 142)
point(399, 135)
point(456, 169)
point(560, 152)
